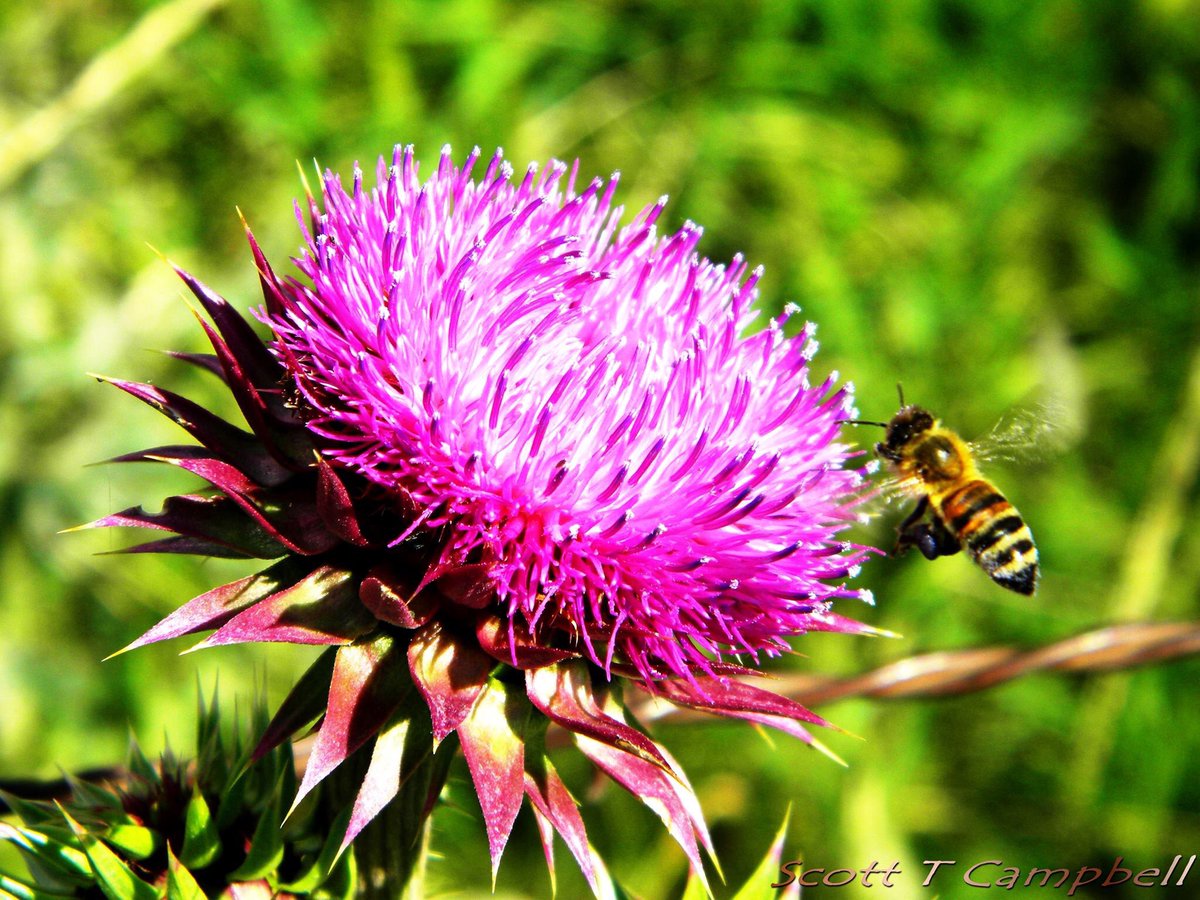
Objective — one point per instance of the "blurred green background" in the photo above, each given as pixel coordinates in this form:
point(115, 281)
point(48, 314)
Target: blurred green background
point(993, 202)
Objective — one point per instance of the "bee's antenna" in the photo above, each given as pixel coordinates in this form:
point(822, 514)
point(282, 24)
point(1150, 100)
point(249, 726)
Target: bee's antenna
point(861, 422)
point(900, 391)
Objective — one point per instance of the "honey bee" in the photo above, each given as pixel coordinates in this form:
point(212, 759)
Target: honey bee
point(957, 507)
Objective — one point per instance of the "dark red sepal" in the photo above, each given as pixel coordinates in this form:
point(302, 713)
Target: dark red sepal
point(733, 698)
point(466, 585)
point(401, 747)
point(272, 295)
point(556, 810)
point(288, 514)
point(450, 671)
point(254, 359)
point(214, 608)
point(226, 441)
point(493, 742)
point(213, 520)
point(303, 705)
point(322, 608)
point(509, 641)
point(660, 789)
point(370, 680)
point(206, 361)
point(564, 693)
point(389, 600)
point(336, 507)
point(184, 545)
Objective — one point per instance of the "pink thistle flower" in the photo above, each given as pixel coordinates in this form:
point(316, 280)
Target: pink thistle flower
point(510, 451)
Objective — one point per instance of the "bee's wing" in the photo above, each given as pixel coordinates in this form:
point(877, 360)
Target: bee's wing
point(1027, 434)
point(886, 491)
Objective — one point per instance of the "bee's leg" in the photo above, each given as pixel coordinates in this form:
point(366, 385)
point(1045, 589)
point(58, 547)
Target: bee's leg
point(907, 529)
point(933, 539)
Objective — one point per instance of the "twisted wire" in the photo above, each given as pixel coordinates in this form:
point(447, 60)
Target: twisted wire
point(951, 672)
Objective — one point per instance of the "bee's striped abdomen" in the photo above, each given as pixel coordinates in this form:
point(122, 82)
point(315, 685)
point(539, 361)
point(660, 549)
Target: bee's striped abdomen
point(994, 533)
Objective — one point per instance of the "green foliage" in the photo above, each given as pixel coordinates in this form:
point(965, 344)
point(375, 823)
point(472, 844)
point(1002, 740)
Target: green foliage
point(995, 203)
point(154, 830)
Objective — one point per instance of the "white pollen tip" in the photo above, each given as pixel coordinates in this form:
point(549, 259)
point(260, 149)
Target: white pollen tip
point(573, 530)
point(734, 584)
point(789, 308)
point(506, 169)
point(863, 519)
point(848, 387)
point(867, 596)
point(705, 560)
point(445, 149)
point(871, 467)
point(662, 201)
point(475, 151)
point(854, 571)
point(835, 375)
point(532, 167)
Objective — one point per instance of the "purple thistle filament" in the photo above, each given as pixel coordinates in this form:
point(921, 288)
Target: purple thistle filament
point(576, 404)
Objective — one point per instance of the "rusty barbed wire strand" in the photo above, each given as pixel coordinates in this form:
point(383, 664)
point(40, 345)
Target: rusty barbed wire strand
point(950, 672)
point(945, 673)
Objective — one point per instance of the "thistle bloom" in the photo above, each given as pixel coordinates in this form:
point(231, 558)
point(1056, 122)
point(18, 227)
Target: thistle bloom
point(509, 452)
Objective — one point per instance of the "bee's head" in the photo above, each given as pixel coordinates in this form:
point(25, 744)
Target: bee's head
point(904, 427)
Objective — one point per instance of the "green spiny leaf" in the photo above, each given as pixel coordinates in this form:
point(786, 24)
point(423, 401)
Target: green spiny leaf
point(135, 841)
point(201, 840)
point(180, 883)
point(48, 859)
point(694, 890)
point(266, 847)
point(758, 885)
point(139, 764)
point(321, 868)
point(12, 889)
point(88, 794)
point(31, 813)
point(231, 802)
point(115, 879)
point(342, 883)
